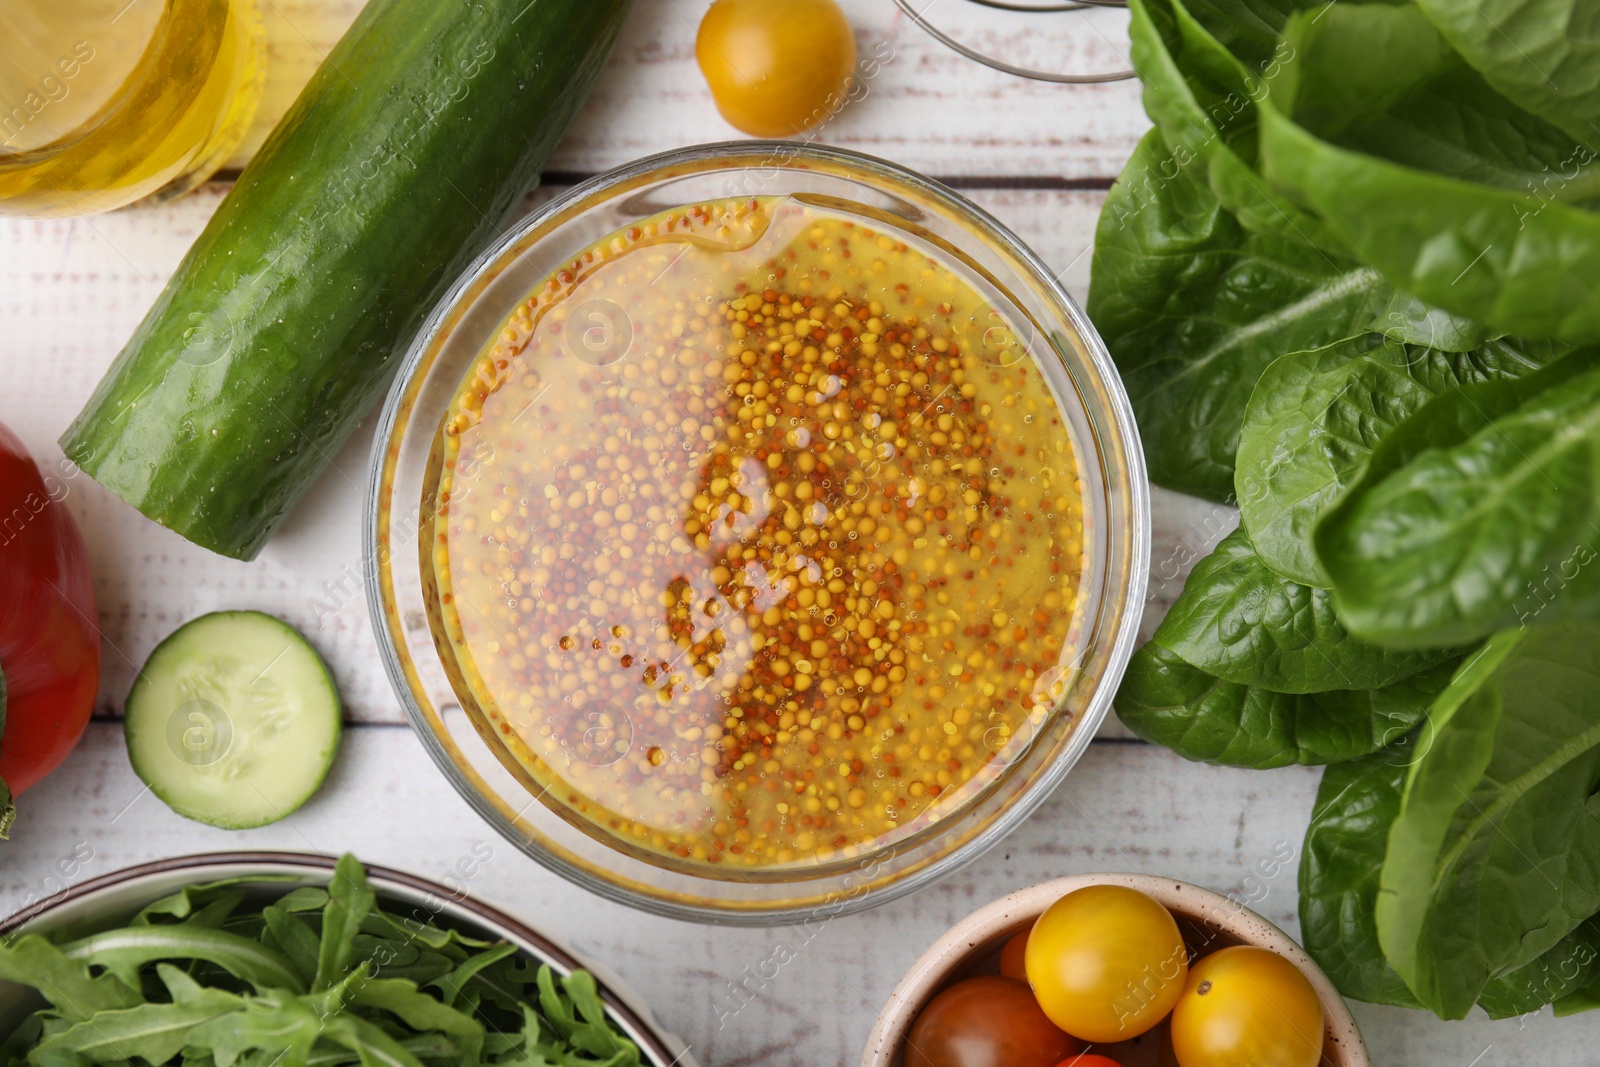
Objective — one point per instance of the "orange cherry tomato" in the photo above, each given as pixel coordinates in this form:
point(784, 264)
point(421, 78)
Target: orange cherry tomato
point(776, 67)
point(988, 1021)
point(1247, 1007)
point(1013, 956)
point(1107, 963)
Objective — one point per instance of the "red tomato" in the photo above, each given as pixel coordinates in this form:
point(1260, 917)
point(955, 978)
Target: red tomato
point(1089, 1061)
point(49, 634)
point(988, 1021)
point(1012, 957)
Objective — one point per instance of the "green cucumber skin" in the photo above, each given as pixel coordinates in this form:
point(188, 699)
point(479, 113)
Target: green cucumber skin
point(425, 126)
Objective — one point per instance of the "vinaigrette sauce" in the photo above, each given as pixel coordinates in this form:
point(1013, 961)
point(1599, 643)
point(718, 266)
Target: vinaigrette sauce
point(758, 540)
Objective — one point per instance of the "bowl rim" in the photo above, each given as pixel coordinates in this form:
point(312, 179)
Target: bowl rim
point(1118, 413)
point(639, 1022)
point(1185, 899)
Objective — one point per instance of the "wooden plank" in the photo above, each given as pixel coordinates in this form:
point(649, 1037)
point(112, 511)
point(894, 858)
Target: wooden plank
point(1126, 807)
point(925, 106)
point(72, 290)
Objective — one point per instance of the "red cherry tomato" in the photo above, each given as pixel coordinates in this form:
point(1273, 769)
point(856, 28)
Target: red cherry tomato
point(1088, 1060)
point(988, 1021)
point(1012, 957)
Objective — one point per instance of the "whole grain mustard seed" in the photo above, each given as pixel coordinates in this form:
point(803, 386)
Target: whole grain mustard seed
point(759, 538)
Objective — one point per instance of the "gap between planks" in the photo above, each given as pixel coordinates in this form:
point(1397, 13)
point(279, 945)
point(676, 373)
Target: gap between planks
point(1050, 183)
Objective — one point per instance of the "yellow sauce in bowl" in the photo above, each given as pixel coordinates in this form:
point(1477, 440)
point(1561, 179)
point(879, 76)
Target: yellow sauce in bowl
point(759, 538)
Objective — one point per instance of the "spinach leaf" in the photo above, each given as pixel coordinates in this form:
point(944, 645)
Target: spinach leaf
point(1407, 320)
point(1315, 417)
point(1475, 514)
point(1522, 263)
point(1559, 977)
point(1193, 308)
point(1201, 717)
point(1380, 79)
point(1202, 99)
point(1339, 869)
point(1490, 861)
point(1544, 54)
point(1243, 623)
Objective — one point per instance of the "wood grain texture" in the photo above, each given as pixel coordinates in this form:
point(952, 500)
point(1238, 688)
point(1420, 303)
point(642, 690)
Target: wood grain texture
point(925, 106)
point(72, 290)
point(1127, 807)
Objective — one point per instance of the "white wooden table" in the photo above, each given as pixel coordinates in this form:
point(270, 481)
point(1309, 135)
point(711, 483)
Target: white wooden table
point(1037, 156)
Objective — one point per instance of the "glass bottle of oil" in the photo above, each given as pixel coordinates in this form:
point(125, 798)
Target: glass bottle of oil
point(104, 102)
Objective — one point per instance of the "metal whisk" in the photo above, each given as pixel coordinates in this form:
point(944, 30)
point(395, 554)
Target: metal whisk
point(1007, 68)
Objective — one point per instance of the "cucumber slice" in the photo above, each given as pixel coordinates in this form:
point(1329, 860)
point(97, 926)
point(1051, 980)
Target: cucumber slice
point(234, 720)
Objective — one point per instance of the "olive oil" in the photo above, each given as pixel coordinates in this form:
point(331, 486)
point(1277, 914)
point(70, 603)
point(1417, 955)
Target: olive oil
point(104, 102)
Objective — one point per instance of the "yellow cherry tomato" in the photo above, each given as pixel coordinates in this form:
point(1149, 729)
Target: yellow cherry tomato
point(1106, 963)
point(776, 67)
point(1247, 1007)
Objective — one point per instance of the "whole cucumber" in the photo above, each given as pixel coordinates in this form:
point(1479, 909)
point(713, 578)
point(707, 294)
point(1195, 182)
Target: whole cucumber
point(424, 127)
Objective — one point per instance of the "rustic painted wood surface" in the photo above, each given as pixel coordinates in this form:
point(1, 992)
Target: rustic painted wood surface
point(72, 290)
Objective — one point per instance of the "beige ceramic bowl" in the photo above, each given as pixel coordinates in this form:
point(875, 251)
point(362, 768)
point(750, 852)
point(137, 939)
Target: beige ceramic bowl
point(1209, 921)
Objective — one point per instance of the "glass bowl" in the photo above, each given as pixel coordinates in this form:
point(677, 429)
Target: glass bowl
point(1047, 328)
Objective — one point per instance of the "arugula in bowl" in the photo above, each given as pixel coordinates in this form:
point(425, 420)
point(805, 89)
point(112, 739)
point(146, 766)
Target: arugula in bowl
point(218, 975)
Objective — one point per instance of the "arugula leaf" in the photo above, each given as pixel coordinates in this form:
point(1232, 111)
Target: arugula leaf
point(295, 940)
point(123, 952)
point(579, 1016)
point(1523, 263)
point(1243, 623)
point(416, 1009)
point(1475, 514)
point(1490, 860)
point(66, 983)
point(153, 1032)
point(190, 900)
point(1200, 717)
point(1544, 54)
point(306, 898)
point(1193, 307)
point(400, 959)
point(456, 981)
point(373, 1046)
point(275, 1023)
point(349, 901)
point(1315, 417)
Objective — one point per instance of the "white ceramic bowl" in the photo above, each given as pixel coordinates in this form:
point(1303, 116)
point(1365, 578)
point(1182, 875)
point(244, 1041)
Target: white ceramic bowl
point(1209, 921)
point(112, 899)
